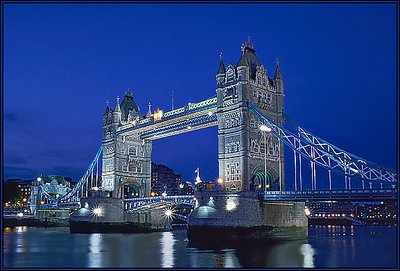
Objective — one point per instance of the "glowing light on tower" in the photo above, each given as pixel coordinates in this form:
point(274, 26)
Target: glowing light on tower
point(158, 115)
point(198, 180)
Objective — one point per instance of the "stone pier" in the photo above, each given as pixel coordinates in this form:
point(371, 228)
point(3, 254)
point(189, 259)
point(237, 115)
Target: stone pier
point(241, 215)
point(107, 215)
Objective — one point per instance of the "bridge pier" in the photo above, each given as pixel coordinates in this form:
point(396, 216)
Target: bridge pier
point(108, 215)
point(241, 215)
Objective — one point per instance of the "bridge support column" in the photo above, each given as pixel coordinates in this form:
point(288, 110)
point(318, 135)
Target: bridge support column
point(127, 166)
point(243, 216)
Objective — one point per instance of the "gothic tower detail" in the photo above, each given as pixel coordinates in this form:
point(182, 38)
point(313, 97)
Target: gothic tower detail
point(126, 158)
point(241, 144)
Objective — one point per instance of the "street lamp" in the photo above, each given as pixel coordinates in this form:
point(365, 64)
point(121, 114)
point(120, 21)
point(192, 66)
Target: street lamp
point(265, 129)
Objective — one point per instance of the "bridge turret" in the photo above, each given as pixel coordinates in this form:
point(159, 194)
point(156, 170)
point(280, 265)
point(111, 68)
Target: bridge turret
point(129, 109)
point(243, 68)
point(106, 112)
point(117, 113)
point(278, 79)
point(221, 72)
point(241, 143)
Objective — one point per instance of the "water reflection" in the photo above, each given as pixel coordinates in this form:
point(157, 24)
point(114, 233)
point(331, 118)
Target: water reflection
point(308, 253)
point(21, 246)
point(254, 253)
point(21, 228)
point(95, 244)
point(167, 249)
point(326, 247)
point(7, 229)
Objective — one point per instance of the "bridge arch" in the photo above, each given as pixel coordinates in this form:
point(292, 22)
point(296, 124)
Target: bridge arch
point(132, 190)
point(262, 179)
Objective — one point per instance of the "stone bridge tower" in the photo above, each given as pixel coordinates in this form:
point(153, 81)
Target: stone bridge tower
point(241, 144)
point(126, 159)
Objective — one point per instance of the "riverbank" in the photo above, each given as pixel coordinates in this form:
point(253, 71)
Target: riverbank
point(13, 221)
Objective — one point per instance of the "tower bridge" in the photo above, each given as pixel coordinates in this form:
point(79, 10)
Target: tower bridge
point(248, 109)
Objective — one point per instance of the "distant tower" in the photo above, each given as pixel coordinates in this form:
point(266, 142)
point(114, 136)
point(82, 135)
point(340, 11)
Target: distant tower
point(198, 180)
point(240, 142)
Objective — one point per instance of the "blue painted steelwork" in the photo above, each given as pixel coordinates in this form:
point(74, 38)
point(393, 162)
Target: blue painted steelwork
point(134, 203)
point(330, 148)
point(326, 155)
point(74, 192)
point(187, 124)
point(202, 107)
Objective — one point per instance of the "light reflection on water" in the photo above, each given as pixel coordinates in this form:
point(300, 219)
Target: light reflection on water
point(332, 247)
point(308, 254)
point(167, 249)
point(95, 256)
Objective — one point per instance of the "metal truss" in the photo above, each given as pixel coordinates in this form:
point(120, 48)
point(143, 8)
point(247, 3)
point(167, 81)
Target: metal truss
point(135, 203)
point(182, 126)
point(320, 152)
point(73, 194)
point(328, 147)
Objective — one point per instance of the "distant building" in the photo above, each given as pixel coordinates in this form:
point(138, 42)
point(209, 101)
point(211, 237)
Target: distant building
point(331, 208)
point(382, 212)
point(18, 191)
point(164, 180)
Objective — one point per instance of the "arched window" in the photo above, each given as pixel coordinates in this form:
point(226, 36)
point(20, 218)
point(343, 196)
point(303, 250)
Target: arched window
point(132, 151)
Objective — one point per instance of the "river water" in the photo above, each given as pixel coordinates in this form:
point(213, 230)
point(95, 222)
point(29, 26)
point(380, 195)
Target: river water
point(326, 247)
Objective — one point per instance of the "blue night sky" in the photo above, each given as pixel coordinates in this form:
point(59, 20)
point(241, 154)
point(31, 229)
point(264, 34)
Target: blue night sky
point(62, 62)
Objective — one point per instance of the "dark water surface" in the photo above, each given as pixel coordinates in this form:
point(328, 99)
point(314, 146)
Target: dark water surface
point(327, 246)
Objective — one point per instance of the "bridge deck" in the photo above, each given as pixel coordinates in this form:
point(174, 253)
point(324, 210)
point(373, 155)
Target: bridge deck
point(356, 194)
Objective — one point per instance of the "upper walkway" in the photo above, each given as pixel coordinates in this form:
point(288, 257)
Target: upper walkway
point(188, 118)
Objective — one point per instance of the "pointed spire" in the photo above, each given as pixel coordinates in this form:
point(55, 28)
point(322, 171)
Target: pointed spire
point(278, 74)
point(242, 60)
point(117, 107)
point(107, 109)
point(221, 68)
point(248, 43)
point(149, 109)
point(128, 92)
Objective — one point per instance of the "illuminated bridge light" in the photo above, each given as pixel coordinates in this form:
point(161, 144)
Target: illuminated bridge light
point(97, 211)
point(230, 205)
point(168, 213)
